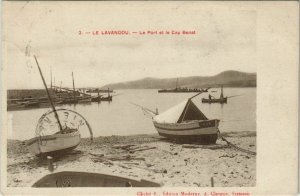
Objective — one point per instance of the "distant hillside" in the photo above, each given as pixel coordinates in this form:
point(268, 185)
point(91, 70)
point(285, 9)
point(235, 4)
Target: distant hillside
point(226, 78)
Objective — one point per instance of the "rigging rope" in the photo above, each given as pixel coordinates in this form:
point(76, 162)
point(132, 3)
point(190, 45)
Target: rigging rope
point(235, 146)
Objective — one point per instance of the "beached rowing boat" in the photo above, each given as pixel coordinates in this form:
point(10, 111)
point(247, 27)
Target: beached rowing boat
point(89, 179)
point(54, 144)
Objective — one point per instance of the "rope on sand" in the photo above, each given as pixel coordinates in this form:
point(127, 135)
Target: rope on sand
point(236, 147)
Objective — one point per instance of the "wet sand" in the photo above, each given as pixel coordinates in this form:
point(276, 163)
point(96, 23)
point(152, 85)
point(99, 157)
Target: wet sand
point(148, 157)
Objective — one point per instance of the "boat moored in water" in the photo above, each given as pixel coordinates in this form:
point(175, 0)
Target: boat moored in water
point(221, 100)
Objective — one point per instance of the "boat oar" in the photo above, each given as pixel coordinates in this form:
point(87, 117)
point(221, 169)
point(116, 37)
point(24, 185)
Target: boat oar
point(117, 94)
point(234, 96)
point(195, 95)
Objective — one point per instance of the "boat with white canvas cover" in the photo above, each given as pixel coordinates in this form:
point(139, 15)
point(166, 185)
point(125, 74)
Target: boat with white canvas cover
point(185, 122)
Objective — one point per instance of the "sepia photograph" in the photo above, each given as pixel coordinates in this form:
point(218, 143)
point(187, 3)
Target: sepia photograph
point(125, 94)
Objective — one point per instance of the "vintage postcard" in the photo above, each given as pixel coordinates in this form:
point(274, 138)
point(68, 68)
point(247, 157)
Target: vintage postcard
point(150, 98)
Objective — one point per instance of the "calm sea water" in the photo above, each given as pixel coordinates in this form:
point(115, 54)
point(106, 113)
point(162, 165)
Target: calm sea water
point(120, 117)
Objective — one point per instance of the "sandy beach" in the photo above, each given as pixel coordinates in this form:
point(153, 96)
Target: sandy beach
point(148, 157)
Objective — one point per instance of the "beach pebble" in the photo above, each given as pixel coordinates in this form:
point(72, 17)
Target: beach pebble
point(149, 165)
point(215, 172)
point(17, 180)
point(198, 184)
point(175, 153)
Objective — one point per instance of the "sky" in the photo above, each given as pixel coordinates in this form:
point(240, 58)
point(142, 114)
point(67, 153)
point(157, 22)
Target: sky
point(224, 39)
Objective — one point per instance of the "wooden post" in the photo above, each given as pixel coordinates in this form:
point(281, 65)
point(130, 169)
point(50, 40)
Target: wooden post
point(212, 181)
point(74, 95)
point(51, 77)
point(50, 163)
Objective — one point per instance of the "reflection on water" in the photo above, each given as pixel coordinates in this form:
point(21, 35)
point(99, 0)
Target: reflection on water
point(120, 117)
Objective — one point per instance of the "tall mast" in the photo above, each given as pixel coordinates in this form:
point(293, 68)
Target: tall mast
point(74, 95)
point(176, 83)
point(51, 76)
point(48, 94)
point(221, 96)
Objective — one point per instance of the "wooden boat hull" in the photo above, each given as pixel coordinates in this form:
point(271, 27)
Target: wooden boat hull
point(11, 107)
point(86, 179)
point(224, 100)
point(77, 100)
point(54, 144)
point(106, 98)
point(96, 99)
point(200, 131)
point(85, 100)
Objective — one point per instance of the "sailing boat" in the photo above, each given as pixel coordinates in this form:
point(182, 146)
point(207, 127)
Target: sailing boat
point(85, 98)
point(107, 98)
point(66, 139)
point(101, 98)
point(222, 99)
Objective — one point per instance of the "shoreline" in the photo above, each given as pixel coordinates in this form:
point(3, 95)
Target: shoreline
point(149, 157)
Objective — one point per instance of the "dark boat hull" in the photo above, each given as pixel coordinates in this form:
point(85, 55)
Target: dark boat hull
point(96, 99)
point(224, 100)
point(86, 179)
point(106, 98)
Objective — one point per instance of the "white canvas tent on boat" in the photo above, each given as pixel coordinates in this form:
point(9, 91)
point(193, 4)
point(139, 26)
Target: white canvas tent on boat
point(185, 111)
